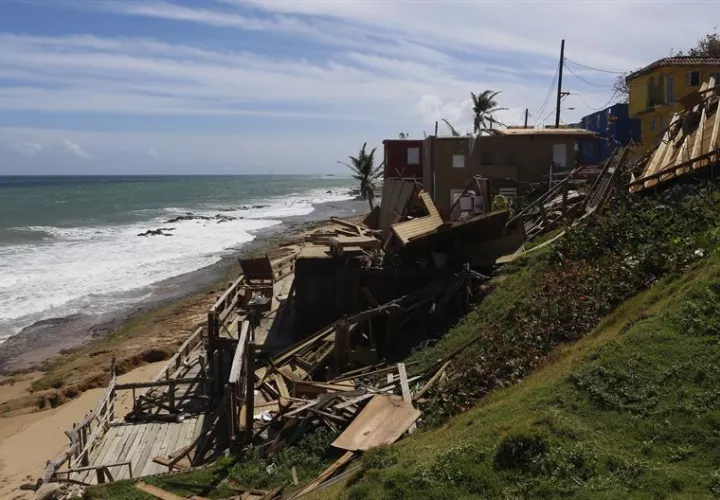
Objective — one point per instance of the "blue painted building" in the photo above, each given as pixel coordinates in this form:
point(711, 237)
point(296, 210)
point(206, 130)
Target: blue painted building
point(614, 127)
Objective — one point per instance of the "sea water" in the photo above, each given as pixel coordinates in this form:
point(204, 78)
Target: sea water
point(70, 245)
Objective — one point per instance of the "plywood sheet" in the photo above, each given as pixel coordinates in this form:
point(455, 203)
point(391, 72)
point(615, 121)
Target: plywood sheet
point(396, 196)
point(407, 230)
point(382, 421)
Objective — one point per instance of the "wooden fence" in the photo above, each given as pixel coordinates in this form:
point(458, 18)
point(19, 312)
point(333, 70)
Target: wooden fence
point(84, 436)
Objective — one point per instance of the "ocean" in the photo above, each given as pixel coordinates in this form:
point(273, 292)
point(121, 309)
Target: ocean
point(70, 245)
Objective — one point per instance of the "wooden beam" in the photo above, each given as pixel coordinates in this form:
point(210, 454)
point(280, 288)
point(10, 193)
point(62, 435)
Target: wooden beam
point(432, 381)
point(348, 225)
point(236, 370)
point(715, 136)
point(327, 473)
point(159, 383)
point(404, 386)
point(250, 392)
point(157, 492)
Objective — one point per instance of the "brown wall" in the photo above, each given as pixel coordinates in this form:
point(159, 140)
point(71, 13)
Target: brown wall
point(525, 159)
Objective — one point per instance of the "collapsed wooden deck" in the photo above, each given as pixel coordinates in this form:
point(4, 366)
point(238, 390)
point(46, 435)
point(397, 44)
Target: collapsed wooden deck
point(180, 417)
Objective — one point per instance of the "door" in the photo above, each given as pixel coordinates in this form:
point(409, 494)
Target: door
point(560, 156)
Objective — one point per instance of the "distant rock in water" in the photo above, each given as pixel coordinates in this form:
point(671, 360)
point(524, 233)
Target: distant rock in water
point(163, 231)
point(218, 217)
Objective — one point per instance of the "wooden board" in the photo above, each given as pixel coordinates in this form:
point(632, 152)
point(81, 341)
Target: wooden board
point(382, 421)
point(157, 492)
point(421, 226)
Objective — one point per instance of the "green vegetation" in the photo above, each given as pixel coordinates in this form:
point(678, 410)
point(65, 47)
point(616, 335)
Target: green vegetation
point(255, 469)
point(630, 410)
point(364, 170)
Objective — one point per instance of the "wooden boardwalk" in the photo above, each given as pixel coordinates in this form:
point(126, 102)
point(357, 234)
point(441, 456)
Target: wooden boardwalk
point(139, 444)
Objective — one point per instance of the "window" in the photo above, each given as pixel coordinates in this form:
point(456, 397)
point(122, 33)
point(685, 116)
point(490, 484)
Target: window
point(716, 76)
point(650, 92)
point(651, 125)
point(510, 193)
point(458, 161)
point(670, 90)
point(597, 122)
point(413, 156)
point(692, 78)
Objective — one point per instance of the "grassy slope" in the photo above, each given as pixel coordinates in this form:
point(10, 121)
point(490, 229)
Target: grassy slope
point(630, 411)
point(626, 411)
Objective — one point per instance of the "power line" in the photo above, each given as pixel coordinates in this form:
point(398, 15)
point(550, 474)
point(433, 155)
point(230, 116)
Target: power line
point(549, 93)
point(588, 82)
point(601, 107)
point(596, 69)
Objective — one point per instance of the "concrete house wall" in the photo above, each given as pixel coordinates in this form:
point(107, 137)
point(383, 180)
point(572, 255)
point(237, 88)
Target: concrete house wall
point(508, 161)
point(656, 88)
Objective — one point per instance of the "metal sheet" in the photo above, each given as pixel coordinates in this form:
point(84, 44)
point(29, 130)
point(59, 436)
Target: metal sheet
point(382, 421)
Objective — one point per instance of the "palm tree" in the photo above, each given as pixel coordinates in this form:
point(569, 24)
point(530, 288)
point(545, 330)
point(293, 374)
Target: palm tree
point(453, 132)
point(364, 170)
point(484, 105)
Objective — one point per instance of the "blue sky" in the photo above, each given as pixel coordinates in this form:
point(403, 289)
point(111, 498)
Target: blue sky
point(290, 86)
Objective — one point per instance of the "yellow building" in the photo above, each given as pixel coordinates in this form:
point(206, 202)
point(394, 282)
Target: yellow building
point(655, 90)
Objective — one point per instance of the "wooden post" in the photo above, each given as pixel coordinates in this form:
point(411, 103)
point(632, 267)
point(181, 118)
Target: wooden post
point(171, 395)
point(341, 346)
point(231, 411)
point(250, 391)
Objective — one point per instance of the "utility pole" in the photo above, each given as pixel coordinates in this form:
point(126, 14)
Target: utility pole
point(526, 117)
point(559, 89)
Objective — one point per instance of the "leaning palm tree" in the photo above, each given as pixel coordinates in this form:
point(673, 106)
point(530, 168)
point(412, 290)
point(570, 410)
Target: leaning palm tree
point(364, 170)
point(453, 132)
point(484, 105)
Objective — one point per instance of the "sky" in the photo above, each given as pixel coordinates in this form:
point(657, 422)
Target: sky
point(293, 86)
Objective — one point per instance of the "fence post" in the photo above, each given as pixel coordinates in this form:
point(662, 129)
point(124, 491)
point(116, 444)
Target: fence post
point(250, 391)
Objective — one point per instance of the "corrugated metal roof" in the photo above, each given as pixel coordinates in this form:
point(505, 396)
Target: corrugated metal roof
point(675, 61)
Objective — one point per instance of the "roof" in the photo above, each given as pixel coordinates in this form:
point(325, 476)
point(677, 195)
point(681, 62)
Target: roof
point(402, 140)
point(675, 61)
point(568, 132)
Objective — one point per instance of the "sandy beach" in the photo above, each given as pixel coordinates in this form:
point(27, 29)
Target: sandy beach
point(27, 441)
point(57, 387)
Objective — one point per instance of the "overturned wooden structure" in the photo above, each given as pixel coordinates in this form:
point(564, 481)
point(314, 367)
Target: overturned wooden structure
point(690, 144)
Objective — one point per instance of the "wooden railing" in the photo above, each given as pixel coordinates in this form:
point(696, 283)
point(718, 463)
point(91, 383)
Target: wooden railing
point(84, 435)
point(284, 266)
point(223, 307)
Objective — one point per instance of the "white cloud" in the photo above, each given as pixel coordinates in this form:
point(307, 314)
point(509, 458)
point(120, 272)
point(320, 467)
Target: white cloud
point(385, 67)
point(75, 149)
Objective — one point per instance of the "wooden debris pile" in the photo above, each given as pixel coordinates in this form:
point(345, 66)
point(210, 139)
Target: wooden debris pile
point(568, 199)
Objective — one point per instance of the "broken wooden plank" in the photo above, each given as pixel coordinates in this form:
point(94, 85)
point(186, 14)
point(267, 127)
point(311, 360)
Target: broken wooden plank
point(404, 386)
point(157, 492)
point(432, 381)
point(382, 421)
point(327, 473)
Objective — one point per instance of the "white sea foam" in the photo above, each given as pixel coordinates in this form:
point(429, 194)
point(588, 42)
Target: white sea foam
point(99, 269)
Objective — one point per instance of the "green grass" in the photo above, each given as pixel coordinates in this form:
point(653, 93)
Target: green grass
point(593, 373)
point(630, 411)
